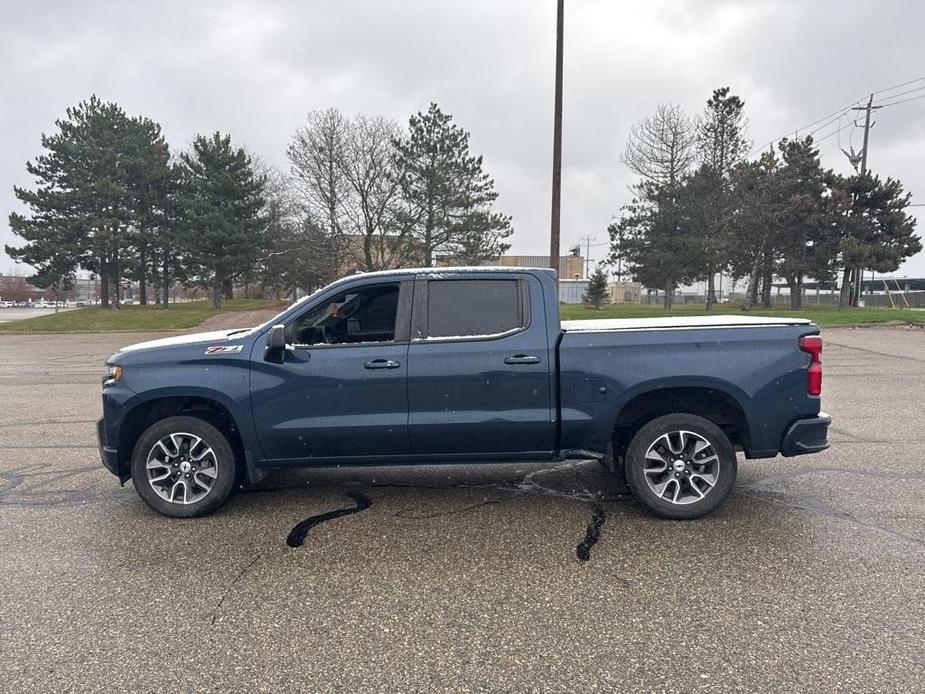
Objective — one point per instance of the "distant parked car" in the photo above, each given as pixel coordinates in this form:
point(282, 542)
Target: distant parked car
point(6, 304)
point(127, 302)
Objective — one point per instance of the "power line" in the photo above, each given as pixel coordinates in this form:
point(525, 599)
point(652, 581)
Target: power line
point(834, 132)
point(841, 112)
point(893, 96)
point(897, 86)
point(902, 101)
point(826, 125)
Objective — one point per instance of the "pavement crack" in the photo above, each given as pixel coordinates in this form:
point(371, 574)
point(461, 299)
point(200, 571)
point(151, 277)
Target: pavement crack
point(872, 351)
point(231, 586)
point(592, 534)
point(47, 421)
point(815, 505)
point(451, 512)
point(296, 537)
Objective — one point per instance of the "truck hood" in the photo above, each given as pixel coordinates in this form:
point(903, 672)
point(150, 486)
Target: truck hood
point(216, 336)
point(678, 322)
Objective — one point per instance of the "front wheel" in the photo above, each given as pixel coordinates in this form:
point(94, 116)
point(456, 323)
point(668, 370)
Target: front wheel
point(183, 467)
point(680, 466)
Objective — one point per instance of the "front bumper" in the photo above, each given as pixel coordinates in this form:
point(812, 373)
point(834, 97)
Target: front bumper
point(807, 436)
point(109, 455)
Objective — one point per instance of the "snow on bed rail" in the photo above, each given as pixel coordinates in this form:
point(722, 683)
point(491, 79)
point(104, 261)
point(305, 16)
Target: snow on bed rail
point(677, 322)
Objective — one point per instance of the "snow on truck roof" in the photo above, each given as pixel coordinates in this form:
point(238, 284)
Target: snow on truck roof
point(445, 270)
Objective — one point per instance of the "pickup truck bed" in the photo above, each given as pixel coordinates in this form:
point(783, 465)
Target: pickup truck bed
point(736, 365)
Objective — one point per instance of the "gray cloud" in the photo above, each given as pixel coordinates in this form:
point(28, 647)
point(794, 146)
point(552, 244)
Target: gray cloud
point(254, 70)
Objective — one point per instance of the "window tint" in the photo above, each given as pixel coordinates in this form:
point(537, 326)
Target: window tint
point(462, 308)
point(366, 314)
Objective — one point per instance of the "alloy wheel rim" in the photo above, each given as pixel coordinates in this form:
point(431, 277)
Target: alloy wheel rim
point(181, 468)
point(681, 467)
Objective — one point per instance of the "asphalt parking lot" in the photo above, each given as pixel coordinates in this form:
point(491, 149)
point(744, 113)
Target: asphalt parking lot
point(811, 578)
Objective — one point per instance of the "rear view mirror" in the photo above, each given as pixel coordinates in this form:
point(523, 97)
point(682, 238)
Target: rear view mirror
point(276, 344)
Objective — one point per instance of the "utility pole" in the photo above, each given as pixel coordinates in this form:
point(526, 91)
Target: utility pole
point(557, 149)
point(867, 109)
point(587, 256)
point(858, 273)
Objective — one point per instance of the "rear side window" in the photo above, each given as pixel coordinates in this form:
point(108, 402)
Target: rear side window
point(472, 308)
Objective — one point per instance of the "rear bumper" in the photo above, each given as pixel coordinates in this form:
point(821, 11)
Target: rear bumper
point(806, 436)
point(108, 454)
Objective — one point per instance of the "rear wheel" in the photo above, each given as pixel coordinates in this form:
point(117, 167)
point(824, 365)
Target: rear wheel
point(680, 466)
point(183, 467)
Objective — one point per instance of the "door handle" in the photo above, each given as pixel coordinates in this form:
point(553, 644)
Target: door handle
point(517, 359)
point(381, 364)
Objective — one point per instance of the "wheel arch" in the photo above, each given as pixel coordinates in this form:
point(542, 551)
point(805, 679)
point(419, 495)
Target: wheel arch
point(711, 400)
point(211, 410)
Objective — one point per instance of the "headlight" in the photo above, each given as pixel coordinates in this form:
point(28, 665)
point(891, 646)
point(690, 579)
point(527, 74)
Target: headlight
point(113, 374)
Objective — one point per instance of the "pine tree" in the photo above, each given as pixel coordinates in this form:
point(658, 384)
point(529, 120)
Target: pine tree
point(654, 238)
point(876, 231)
point(721, 146)
point(447, 197)
point(596, 293)
point(757, 223)
point(151, 186)
point(808, 242)
point(81, 209)
point(223, 202)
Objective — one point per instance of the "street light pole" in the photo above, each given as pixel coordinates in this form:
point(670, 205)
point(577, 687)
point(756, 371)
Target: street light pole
point(557, 149)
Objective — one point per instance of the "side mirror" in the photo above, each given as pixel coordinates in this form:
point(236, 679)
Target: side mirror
point(276, 344)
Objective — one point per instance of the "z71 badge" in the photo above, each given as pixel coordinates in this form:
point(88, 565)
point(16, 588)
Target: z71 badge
point(224, 349)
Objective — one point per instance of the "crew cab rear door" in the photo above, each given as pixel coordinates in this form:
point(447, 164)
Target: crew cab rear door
point(478, 367)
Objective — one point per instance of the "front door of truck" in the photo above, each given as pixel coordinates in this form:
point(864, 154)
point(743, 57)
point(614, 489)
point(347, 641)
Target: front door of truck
point(342, 390)
point(478, 367)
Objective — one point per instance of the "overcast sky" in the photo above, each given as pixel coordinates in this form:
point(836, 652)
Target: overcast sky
point(254, 69)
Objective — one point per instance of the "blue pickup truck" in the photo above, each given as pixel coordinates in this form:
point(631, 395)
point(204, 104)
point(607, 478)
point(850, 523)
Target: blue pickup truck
point(461, 365)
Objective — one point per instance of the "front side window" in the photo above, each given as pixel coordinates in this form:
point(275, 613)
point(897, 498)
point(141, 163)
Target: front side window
point(473, 308)
point(364, 314)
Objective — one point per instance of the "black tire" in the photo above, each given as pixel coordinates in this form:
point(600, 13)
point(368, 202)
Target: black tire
point(691, 479)
point(221, 462)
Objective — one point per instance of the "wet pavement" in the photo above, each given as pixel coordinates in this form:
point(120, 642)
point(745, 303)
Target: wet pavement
point(496, 578)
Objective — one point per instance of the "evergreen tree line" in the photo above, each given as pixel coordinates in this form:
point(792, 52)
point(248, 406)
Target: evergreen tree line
point(701, 206)
point(111, 198)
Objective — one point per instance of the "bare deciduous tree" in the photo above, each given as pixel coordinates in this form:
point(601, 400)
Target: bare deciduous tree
point(316, 155)
point(661, 149)
point(14, 288)
point(368, 166)
point(344, 172)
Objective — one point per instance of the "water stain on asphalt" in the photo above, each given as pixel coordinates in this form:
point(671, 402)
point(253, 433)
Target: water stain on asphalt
point(593, 533)
point(38, 484)
point(297, 535)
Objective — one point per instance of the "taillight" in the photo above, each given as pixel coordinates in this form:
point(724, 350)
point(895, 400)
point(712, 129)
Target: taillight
point(812, 345)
